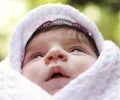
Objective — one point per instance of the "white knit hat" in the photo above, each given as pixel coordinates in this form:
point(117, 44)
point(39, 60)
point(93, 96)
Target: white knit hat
point(40, 15)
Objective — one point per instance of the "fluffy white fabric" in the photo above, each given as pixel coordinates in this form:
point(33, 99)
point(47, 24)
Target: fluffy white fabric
point(100, 82)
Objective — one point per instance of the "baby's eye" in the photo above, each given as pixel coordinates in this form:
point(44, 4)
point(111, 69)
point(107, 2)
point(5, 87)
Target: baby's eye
point(76, 50)
point(37, 55)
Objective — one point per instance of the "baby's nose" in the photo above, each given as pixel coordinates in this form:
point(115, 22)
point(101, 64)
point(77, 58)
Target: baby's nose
point(55, 54)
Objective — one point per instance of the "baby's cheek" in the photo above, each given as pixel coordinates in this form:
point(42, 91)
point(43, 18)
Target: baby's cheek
point(89, 62)
point(82, 65)
point(29, 69)
point(33, 71)
point(92, 61)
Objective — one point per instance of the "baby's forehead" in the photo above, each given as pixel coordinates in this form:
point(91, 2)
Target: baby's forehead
point(60, 36)
point(67, 33)
point(73, 31)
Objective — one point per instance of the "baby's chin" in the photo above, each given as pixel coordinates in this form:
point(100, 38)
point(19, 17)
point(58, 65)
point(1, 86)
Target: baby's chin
point(54, 91)
point(55, 85)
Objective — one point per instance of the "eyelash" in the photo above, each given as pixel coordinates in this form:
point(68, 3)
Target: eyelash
point(36, 55)
point(76, 49)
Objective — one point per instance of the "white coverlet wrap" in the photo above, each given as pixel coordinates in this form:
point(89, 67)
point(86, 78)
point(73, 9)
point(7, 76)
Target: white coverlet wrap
point(100, 82)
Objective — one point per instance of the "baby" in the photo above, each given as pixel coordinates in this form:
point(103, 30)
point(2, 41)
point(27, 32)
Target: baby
point(58, 52)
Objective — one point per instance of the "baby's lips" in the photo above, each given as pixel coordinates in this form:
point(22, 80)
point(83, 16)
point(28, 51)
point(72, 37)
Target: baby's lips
point(56, 70)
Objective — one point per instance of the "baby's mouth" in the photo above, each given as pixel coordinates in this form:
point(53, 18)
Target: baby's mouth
point(57, 75)
point(56, 72)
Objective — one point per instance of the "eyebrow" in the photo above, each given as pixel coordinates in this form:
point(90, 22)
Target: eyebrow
point(33, 47)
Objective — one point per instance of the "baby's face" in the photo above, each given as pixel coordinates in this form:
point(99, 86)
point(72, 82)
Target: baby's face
point(54, 58)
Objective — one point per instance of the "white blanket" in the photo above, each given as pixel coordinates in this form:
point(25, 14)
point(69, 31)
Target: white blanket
point(100, 82)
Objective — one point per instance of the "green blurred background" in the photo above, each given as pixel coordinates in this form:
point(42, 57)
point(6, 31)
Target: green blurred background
point(105, 13)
